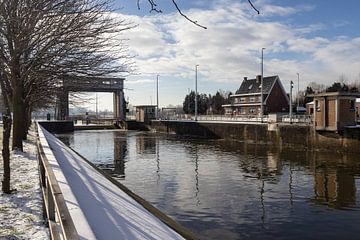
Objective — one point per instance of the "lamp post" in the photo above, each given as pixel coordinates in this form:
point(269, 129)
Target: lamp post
point(196, 92)
point(290, 104)
point(96, 105)
point(262, 82)
point(298, 91)
point(157, 96)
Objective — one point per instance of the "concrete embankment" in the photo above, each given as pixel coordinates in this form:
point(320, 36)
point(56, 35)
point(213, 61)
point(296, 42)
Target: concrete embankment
point(276, 135)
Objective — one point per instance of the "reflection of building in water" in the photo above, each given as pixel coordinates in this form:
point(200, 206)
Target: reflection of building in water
point(262, 164)
point(145, 144)
point(120, 149)
point(334, 187)
point(117, 168)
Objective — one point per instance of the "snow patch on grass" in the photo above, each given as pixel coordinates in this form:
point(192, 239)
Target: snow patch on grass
point(21, 211)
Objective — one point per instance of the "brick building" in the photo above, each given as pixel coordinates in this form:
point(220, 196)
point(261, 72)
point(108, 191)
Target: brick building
point(334, 110)
point(247, 99)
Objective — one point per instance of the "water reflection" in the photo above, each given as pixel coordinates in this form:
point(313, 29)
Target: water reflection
point(334, 187)
point(146, 145)
point(233, 190)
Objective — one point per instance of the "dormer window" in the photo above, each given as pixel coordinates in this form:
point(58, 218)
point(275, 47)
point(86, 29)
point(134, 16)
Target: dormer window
point(250, 87)
point(259, 86)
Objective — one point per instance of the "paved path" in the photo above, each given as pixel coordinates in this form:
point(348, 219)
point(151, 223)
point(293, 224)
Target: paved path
point(99, 209)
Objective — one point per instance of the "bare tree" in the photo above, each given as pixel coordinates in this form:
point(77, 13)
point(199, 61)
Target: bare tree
point(45, 40)
point(41, 42)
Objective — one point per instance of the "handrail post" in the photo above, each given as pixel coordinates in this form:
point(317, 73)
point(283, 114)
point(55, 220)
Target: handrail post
point(50, 203)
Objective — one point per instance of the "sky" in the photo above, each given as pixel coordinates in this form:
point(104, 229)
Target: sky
point(318, 39)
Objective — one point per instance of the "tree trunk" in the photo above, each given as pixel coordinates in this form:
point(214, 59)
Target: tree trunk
point(6, 153)
point(27, 121)
point(6, 138)
point(18, 118)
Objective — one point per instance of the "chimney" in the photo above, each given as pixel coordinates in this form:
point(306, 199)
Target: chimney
point(245, 78)
point(258, 78)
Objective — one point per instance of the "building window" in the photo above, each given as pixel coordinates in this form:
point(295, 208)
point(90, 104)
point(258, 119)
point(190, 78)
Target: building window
point(250, 87)
point(252, 110)
point(228, 111)
point(242, 111)
point(252, 99)
point(352, 105)
point(242, 100)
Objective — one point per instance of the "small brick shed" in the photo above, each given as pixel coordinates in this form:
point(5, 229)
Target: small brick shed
point(334, 110)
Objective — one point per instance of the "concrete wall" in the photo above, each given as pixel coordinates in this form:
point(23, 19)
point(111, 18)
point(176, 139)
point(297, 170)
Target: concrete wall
point(58, 126)
point(279, 136)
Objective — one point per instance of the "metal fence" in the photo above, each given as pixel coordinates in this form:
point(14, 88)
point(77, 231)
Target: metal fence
point(244, 118)
point(220, 118)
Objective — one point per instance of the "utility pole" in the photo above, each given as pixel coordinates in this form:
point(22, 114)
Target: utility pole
point(157, 96)
point(290, 104)
point(196, 92)
point(96, 105)
point(262, 83)
point(298, 93)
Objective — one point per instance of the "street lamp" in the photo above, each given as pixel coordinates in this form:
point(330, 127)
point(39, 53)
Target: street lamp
point(157, 96)
point(298, 91)
point(290, 104)
point(262, 83)
point(196, 92)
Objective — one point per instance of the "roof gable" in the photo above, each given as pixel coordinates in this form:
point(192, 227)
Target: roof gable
point(251, 86)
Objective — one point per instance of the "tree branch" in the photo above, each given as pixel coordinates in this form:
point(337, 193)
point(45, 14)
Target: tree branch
point(186, 17)
point(154, 8)
point(252, 5)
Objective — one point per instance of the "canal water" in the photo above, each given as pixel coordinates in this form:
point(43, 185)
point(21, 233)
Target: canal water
point(232, 190)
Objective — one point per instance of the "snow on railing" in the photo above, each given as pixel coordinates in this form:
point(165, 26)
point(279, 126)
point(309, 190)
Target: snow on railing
point(55, 210)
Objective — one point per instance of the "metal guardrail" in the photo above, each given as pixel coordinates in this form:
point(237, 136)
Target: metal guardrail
point(55, 210)
point(247, 118)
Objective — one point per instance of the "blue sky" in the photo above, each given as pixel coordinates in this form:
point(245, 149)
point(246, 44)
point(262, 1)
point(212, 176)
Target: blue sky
point(316, 38)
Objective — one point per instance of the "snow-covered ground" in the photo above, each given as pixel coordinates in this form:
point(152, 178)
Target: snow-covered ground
point(21, 212)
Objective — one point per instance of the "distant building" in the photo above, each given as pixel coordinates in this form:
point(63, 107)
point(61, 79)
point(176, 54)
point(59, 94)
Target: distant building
point(247, 99)
point(145, 113)
point(334, 110)
point(169, 112)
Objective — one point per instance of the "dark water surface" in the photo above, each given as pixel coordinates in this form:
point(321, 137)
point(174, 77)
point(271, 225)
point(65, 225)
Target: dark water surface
point(232, 190)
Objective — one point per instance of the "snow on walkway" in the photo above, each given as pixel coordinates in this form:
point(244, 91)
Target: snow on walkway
point(98, 208)
point(21, 212)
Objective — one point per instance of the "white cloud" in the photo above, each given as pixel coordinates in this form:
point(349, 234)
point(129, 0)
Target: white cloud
point(230, 48)
point(139, 81)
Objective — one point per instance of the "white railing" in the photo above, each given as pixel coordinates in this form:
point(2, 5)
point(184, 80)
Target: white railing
point(223, 118)
point(245, 118)
point(296, 119)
